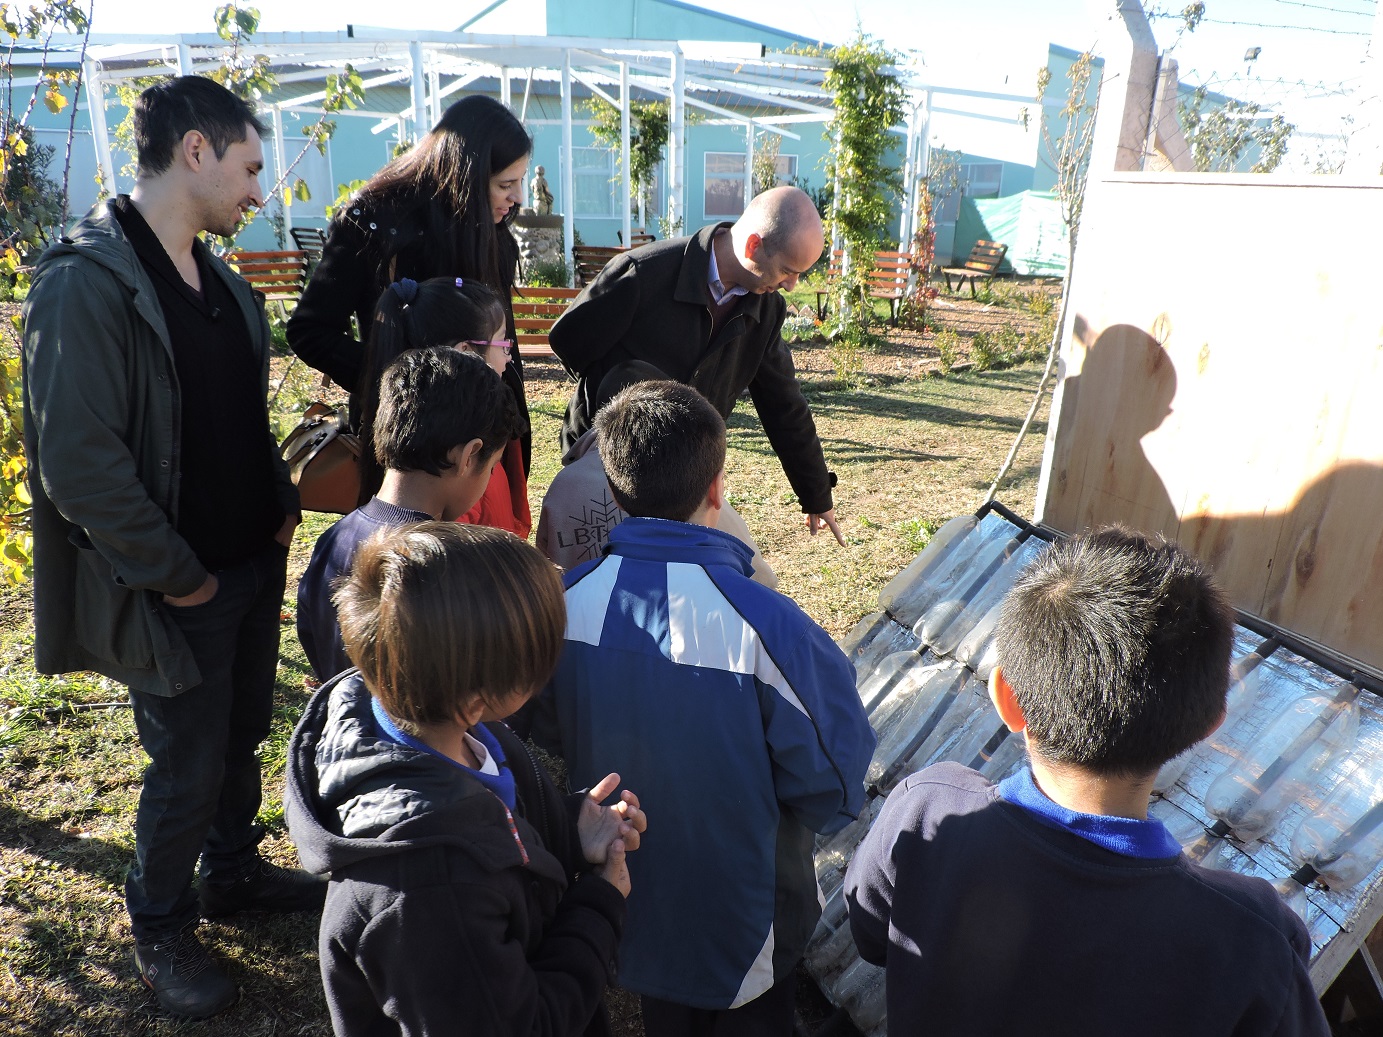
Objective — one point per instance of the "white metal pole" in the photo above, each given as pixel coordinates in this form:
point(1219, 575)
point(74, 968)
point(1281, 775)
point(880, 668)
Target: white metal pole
point(905, 227)
point(284, 195)
point(527, 89)
point(627, 180)
point(434, 94)
point(96, 109)
point(568, 208)
point(506, 90)
point(677, 145)
point(420, 123)
point(184, 59)
point(748, 162)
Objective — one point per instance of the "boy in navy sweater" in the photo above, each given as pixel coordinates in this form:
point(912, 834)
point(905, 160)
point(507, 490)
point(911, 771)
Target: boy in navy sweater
point(1051, 903)
point(444, 418)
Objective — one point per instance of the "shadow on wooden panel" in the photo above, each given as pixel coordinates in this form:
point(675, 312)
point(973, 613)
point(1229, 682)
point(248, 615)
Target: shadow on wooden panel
point(1314, 568)
point(1101, 474)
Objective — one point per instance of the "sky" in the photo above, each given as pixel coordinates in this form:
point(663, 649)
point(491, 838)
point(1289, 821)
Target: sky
point(1308, 69)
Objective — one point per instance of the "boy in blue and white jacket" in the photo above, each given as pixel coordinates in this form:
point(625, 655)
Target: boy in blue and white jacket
point(730, 710)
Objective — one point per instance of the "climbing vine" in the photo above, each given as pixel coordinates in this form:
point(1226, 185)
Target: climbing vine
point(648, 130)
point(868, 101)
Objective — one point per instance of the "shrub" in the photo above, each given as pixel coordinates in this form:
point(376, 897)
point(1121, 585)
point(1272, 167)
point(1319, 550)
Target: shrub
point(948, 350)
point(552, 274)
point(983, 351)
point(1040, 304)
point(801, 326)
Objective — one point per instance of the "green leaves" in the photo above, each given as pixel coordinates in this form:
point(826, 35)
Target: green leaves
point(16, 504)
point(1221, 135)
point(869, 101)
point(233, 21)
point(648, 129)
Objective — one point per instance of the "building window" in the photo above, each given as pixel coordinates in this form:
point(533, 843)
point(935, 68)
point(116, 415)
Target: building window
point(725, 181)
point(593, 182)
point(982, 179)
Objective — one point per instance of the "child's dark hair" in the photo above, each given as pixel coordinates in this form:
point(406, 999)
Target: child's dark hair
point(166, 111)
point(439, 614)
point(662, 445)
point(441, 311)
point(1117, 648)
point(433, 400)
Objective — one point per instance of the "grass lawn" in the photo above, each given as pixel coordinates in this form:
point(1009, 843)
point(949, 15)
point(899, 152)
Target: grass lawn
point(910, 451)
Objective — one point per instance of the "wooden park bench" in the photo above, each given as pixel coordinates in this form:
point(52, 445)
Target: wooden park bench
point(311, 240)
point(887, 280)
point(590, 260)
point(637, 236)
point(984, 262)
point(535, 311)
point(278, 276)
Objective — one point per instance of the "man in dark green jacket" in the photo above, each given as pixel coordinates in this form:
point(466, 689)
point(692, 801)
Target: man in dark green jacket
point(707, 311)
point(163, 514)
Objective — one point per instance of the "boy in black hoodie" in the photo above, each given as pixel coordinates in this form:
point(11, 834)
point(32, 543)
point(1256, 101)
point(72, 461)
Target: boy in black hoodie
point(462, 892)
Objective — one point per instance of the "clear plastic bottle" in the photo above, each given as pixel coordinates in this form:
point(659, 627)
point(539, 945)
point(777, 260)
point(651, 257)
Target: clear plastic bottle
point(889, 640)
point(833, 852)
point(947, 624)
point(860, 992)
point(943, 541)
point(1011, 755)
point(950, 593)
point(1342, 842)
point(907, 727)
point(830, 951)
point(863, 633)
point(892, 680)
point(908, 599)
point(1243, 689)
point(1284, 763)
point(966, 724)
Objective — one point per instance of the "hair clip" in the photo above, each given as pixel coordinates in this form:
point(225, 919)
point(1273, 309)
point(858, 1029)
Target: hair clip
point(406, 289)
point(460, 281)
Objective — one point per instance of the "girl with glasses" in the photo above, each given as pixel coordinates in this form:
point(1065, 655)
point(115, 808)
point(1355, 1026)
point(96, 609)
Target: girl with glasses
point(444, 311)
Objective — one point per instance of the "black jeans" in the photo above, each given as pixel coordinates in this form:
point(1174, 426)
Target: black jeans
point(202, 786)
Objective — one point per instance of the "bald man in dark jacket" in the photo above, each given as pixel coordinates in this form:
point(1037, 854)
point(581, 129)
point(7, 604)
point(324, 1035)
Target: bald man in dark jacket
point(707, 311)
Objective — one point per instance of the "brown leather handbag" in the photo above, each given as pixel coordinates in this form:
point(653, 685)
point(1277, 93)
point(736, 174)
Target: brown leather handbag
point(323, 456)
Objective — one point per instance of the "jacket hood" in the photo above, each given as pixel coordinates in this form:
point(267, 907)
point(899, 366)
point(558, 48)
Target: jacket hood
point(353, 794)
point(664, 540)
point(580, 448)
point(99, 238)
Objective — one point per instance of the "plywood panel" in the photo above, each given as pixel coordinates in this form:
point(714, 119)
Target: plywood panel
point(1222, 383)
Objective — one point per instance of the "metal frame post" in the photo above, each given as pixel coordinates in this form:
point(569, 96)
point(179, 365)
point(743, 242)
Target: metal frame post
point(568, 200)
point(419, 91)
point(100, 135)
point(627, 180)
point(748, 162)
point(677, 144)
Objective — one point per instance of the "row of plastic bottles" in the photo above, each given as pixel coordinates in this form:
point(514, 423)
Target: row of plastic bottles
point(923, 664)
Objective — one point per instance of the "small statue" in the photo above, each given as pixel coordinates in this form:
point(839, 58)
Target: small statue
point(538, 193)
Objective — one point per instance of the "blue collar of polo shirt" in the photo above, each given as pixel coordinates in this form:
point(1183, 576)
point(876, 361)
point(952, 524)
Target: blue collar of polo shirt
point(1126, 836)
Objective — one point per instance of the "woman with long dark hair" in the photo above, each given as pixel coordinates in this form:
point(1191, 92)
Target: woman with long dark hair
point(442, 209)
